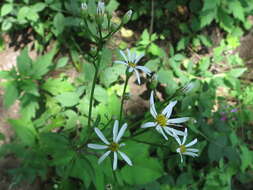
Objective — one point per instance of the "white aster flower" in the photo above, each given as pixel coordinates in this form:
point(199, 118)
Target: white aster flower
point(183, 149)
point(131, 60)
point(112, 146)
point(163, 122)
point(101, 8)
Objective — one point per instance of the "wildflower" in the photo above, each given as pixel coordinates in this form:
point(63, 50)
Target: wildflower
point(234, 110)
point(131, 60)
point(101, 8)
point(113, 147)
point(162, 121)
point(183, 149)
point(84, 6)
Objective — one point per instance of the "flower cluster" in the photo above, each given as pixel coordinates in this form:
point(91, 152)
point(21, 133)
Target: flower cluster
point(164, 125)
point(162, 121)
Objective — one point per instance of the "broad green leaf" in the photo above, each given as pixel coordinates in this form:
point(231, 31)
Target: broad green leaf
point(62, 62)
point(149, 171)
point(24, 130)
point(165, 76)
point(68, 99)
point(106, 58)
point(57, 86)
point(225, 21)
point(41, 66)
point(38, 7)
point(111, 74)
point(236, 72)
point(112, 5)
point(236, 9)
point(11, 93)
point(206, 17)
point(59, 23)
point(22, 13)
point(6, 25)
point(6, 9)
point(30, 87)
point(24, 63)
point(100, 94)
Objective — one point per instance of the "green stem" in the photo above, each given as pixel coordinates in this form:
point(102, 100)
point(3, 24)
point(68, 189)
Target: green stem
point(91, 96)
point(123, 97)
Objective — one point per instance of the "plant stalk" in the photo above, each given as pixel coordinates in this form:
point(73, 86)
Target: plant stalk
point(123, 97)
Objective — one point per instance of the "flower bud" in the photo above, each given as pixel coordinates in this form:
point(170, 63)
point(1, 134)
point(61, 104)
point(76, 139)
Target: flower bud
point(101, 8)
point(127, 17)
point(188, 87)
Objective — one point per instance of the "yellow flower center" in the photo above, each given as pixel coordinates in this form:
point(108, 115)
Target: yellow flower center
point(161, 120)
point(182, 148)
point(131, 64)
point(113, 147)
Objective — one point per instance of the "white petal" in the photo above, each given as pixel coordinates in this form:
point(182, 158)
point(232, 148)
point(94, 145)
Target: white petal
point(178, 120)
point(148, 124)
point(123, 55)
point(121, 62)
point(126, 158)
point(177, 132)
point(160, 130)
point(185, 135)
point(192, 150)
point(97, 146)
point(121, 133)
point(191, 143)
point(168, 109)
point(101, 136)
point(178, 140)
point(130, 69)
point(129, 56)
point(152, 105)
point(190, 154)
point(115, 130)
point(138, 58)
point(178, 150)
point(133, 57)
point(101, 159)
point(137, 76)
point(144, 69)
point(169, 131)
point(115, 160)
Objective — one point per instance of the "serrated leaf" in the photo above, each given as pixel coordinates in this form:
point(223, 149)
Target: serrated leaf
point(206, 17)
point(246, 158)
point(41, 66)
point(237, 10)
point(57, 86)
point(24, 63)
point(24, 130)
point(10, 94)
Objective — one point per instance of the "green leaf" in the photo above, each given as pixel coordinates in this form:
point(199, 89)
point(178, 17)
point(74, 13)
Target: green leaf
point(237, 10)
point(6, 9)
point(11, 94)
point(106, 58)
point(246, 158)
point(57, 86)
point(111, 74)
point(225, 21)
point(24, 130)
point(30, 87)
point(59, 23)
point(22, 13)
point(149, 171)
point(236, 72)
point(6, 25)
point(24, 63)
point(41, 66)
point(182, 44)
point(39, 7)
point(165, 76)
point(62, 62)
point(100, 94)
point(206, 17)
point(68, 99)
point(112, 6)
